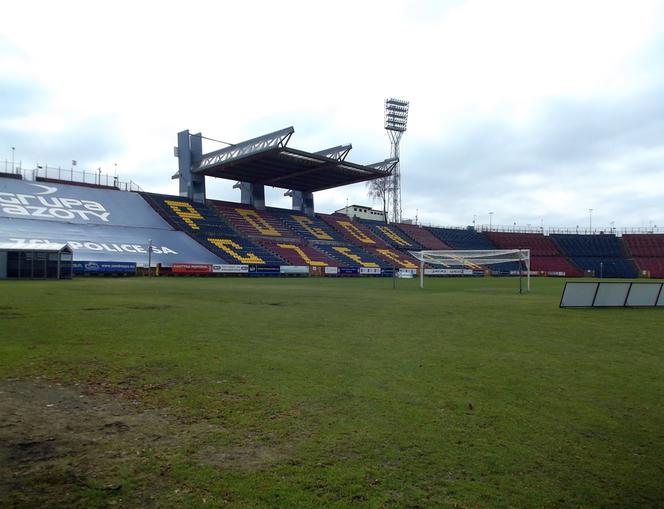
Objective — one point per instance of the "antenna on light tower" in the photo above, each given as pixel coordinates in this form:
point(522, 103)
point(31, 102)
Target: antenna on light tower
point(396, 120)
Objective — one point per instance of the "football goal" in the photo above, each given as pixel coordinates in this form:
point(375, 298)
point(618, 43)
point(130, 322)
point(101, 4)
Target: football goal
point(475, 259)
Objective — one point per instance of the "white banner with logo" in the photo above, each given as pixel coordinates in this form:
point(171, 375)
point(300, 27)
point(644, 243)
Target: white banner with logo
point(524, 273)
point(45, 201)
point(407, 272)
point(294, 269)
point(448, 272)
point(370, 270)
point(229, 269)
point(331, 270)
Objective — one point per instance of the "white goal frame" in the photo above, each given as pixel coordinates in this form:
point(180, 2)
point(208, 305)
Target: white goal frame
point(472, 258)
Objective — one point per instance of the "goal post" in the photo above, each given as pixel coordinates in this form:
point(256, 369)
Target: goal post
point(473, 258)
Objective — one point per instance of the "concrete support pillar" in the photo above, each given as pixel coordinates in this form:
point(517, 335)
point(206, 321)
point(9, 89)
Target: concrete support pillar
point(252, 194)
point(190, 153)
point(304, 202)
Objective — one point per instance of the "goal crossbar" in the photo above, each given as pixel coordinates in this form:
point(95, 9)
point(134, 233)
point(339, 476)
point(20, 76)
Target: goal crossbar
point(472, 258)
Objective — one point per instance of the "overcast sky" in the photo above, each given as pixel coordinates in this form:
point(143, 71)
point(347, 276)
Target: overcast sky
point(537, 111)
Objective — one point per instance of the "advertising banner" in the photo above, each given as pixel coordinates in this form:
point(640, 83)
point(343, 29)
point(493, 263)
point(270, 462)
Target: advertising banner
point(191, 268)
point(448, 272)
point(331, 270)
point(260, 270)
point(348, 270)
point(230, 269)
point(107, 267)
point(294, 269)
point(375, 271)
point(109, 243)
point(21, 199)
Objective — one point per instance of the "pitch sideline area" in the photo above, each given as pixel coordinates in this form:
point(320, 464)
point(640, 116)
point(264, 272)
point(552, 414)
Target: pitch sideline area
point(190, 392)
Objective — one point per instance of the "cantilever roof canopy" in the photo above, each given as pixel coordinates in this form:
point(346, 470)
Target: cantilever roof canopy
point(267, 160)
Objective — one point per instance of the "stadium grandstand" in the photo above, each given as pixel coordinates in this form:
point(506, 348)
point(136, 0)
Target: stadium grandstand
point(105, 220)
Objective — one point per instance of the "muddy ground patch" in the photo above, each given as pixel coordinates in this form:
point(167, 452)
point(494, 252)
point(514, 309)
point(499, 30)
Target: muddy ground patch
point(74, 445)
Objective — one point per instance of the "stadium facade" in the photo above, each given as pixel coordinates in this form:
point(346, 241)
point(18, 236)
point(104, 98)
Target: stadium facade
point(191, 233)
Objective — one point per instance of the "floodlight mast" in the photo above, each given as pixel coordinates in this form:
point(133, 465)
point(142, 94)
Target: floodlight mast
point(396, 121)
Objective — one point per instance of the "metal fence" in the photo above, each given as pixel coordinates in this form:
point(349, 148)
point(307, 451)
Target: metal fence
point(70, 175)
point(578, 230)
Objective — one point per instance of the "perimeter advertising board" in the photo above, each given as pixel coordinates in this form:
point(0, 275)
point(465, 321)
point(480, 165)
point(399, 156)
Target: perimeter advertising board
point(191, 268)
point(261, 270)
point(91, 267)
point(373, 271)
point(219, 268)
point(448, 272)
point(294, 269)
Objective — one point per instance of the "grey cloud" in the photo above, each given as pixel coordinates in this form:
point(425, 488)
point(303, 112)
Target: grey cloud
point(570, 143)
point(86, 141)
point(20, 97)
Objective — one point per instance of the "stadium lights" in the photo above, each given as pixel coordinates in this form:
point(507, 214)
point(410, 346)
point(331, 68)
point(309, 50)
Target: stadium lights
point(396, 123)
point(396, 115)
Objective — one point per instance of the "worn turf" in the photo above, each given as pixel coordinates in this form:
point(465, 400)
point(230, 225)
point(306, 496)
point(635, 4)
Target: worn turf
point(325, 392)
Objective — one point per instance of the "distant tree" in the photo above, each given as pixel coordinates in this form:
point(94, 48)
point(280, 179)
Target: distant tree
point(379, 190)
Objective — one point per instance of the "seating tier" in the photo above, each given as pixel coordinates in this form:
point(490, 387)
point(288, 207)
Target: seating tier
point(251, 222)
point(462, 239)
point(422, 236)
point(603, 246)
point(645, 245)
point(602, 254)
point(391, 235)
point(606, 266)
point(307, 228)
point(353, 231)
point(544, 254)
point(210, 230)
point(299, 254)
point(352, 256)
point(538, 244)
point(655, 266)
point(554, 264)
point(394, 258)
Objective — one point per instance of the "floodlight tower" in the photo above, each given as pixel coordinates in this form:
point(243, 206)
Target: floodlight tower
point(396, 120)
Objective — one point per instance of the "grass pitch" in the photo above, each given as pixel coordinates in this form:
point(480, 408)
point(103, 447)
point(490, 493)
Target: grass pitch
point(324, 392)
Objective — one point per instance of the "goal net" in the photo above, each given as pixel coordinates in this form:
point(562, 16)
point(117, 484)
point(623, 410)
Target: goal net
point(473, 259)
